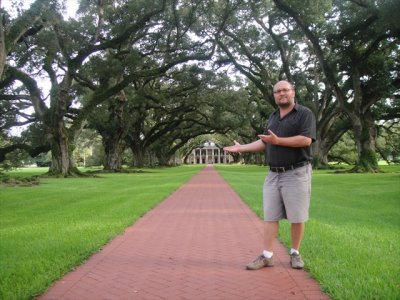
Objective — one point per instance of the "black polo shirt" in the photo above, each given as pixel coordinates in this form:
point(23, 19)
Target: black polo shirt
point(300, 121)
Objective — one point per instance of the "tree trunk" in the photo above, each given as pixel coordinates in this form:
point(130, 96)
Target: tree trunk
point(113, 139)
point(113, 151)
point(163, 157)
point(320, 154)
point(152, 159)
point(321, 150)
point(364, 129)
point(138, 156)
point(365, 137)
point(164, 161)
point(61, 144)
point(61, 151)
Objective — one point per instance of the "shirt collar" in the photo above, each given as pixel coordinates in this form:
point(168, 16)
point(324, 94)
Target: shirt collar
point(295, 107)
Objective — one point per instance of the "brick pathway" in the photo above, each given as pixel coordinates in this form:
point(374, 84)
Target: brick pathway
point(194, 245)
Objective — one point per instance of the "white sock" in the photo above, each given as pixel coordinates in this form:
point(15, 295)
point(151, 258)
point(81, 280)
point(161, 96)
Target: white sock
point(267, 254)
point(293, 251)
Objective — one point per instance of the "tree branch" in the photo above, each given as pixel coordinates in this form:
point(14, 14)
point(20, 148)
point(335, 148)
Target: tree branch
point(33, 151)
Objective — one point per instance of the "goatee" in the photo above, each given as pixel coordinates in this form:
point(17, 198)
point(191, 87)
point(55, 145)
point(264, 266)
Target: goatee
point(284, 105)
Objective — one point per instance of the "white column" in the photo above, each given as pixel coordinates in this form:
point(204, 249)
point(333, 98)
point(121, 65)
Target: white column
point(219, 155)
point(201, 158)
point(194, 156)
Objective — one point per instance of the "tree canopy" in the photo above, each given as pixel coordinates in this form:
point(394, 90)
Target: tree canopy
point(151, 78)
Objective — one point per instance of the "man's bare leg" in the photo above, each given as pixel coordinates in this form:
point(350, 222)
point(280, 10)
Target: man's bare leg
point(266, 259)
point(270, 234)
point(297, 230)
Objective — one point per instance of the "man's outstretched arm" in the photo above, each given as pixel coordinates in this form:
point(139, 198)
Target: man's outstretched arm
point(255, 146)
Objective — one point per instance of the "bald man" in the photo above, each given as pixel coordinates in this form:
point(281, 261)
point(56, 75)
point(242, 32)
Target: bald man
point(289, 133)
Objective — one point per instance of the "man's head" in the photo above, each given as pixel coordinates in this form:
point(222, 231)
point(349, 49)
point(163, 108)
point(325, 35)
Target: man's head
point(284, 94)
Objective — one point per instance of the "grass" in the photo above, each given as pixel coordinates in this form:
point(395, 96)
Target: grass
point(352, 239)
point(48, 229)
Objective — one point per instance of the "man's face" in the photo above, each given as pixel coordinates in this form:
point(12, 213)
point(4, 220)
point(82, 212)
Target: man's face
point(284, 94)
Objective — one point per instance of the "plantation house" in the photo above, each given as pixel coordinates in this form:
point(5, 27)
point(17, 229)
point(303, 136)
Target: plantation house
point(209, 153)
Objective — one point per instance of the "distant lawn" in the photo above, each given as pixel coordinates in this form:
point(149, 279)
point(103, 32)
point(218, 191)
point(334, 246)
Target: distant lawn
point(352, 240)
point(48, 229)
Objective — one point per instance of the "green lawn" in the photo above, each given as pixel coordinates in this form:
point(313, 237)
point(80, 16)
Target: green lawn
point(350, 247)
point(48, 229)
point(353, 236)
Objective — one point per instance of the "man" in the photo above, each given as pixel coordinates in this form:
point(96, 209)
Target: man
point(287, 140)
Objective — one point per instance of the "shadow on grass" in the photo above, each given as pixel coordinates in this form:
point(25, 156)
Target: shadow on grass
point(123, 171)
point(8, 181)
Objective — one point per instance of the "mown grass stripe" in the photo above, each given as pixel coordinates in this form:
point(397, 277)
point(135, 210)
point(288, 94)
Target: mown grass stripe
point(353, 236)
point(48, 229)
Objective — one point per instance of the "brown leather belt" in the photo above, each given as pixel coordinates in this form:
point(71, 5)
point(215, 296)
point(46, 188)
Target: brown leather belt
point(288, 168)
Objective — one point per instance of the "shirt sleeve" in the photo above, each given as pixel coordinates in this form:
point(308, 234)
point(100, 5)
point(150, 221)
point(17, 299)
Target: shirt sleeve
point(308, 125)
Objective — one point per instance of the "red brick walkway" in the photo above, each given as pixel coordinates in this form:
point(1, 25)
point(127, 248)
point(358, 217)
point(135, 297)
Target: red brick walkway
point(194, 245)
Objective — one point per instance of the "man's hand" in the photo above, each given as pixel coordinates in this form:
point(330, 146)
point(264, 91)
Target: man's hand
point(296, 141)
point(234, 148)
point(270, 138)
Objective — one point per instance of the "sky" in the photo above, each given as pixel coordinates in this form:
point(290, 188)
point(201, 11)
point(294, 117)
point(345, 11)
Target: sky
point(72, 5)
